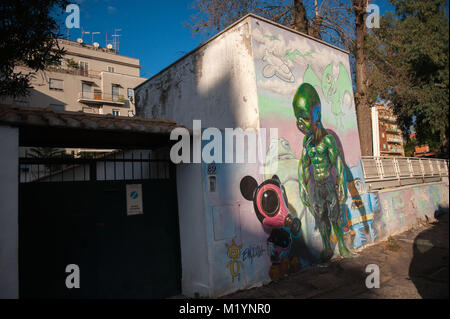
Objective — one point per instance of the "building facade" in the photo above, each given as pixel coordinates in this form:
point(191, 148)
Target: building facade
point(90, 78)
point(387, 136)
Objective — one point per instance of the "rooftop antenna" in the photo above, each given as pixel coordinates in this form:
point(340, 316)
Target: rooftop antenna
point(92, 33)
point(116, 41)
point(83, 33)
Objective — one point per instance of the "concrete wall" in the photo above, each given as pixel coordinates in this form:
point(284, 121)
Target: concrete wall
point(195, 255)
point(396, 210)
point(215, 83)
point(9, 210)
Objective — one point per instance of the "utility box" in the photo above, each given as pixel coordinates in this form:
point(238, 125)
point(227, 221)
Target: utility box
point(249, 76)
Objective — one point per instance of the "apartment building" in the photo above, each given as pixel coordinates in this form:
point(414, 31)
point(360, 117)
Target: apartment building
point(90, 78)
point(422, 150)
point(387, 136)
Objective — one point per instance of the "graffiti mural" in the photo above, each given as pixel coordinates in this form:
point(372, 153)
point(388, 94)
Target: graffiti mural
point(319, 155)
point(271, 207)
point(335, 89)
point(306, 201)
point(304, 89)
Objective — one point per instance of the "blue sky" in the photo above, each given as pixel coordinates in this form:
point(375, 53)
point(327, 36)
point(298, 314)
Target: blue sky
point(151, 30)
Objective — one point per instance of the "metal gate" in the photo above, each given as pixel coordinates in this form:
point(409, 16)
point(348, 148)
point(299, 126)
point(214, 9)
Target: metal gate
point(74, 211)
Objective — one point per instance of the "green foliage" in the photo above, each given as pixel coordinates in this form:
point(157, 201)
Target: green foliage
point(408, 65)
point(45, 152)
point(71, 63)
point(410, 147)
point(392, 244)
point(28, 37)
point(48, 152)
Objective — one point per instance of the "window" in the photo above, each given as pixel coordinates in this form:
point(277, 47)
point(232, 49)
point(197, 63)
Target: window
point(57, 107)
point(115, 112)
point(84, 65)
point(115, 92)
point(382, 134)
point(84, 68)
point(111, 69)
point(130, 94)
point(55, 84)
point(87, 90)
point(384, 146)
point(97, 94)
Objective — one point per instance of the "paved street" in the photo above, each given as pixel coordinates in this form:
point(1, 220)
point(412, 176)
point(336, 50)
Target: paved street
point(413, 264)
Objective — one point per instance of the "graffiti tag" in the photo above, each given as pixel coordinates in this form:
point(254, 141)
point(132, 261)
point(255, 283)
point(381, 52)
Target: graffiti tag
point(252, 252)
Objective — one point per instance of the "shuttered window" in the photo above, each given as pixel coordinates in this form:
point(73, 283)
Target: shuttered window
point(55, 84)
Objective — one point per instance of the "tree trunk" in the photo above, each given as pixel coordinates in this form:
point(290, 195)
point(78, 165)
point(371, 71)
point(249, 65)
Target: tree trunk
point(363, 113)
point(314, 31)
point(300, 22)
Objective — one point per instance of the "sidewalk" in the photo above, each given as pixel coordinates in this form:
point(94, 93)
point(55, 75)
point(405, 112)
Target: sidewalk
point(413, 264)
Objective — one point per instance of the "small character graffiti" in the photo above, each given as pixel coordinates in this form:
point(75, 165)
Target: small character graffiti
point(234, 252)
point(276, 67)
point(271, 207)
point(334, 89)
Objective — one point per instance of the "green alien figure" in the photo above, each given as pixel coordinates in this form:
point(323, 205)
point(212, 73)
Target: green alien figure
point(321, 152)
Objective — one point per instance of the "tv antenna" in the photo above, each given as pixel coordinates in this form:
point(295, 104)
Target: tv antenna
point(92, 33)
point(116, 40)
point(83, 33)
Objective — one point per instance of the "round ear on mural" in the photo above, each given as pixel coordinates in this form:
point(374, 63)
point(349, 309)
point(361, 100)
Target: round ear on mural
point(248, 186)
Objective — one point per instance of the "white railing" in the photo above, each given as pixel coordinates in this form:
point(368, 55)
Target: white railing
point(404, 170)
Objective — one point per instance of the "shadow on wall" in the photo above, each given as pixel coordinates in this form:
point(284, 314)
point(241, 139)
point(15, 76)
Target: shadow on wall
point(429, 266)
point(39, 99)
point(363, 230)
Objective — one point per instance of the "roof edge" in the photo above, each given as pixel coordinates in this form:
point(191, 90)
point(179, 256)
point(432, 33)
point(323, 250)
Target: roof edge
point(248, 15)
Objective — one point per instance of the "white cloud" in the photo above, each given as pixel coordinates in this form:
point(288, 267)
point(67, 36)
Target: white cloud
point(111, 9)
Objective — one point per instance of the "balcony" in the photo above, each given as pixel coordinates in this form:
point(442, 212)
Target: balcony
point(392, 151)
point(101, 98)
point(386, 118)
point(73, 71)
point(394, 140)
point(392, 129)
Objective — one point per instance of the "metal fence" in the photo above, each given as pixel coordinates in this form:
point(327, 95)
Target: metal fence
point(116, 166)
point(382, 172)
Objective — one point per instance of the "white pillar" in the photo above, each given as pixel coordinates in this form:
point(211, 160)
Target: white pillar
point(375, 132)
point(9, 211)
